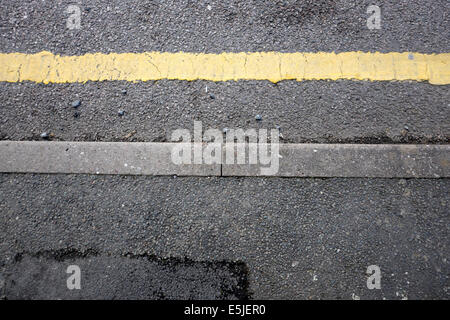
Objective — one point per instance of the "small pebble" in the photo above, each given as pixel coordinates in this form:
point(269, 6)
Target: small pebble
point(225, 130)
point(212, 96)
point(44, 135)
point(258, 117)
point(406, 128)
point(121, 113)
point(124, 92)
point(76, 103)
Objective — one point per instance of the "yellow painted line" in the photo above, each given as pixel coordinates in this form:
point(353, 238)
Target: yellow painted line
point(273, 66)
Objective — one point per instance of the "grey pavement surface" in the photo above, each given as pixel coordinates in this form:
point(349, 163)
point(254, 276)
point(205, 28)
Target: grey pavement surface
point(298, 238)
point(102, 158)
point(236, 159)
point(342, 161)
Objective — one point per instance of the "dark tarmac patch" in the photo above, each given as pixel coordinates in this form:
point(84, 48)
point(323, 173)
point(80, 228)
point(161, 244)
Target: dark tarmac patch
point(42, 275)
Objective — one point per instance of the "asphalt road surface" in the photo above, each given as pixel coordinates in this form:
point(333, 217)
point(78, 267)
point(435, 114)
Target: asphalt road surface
point(298, 238)
point(317, 111)
point(224, 238)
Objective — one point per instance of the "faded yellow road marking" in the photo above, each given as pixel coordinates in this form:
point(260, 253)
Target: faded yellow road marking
point(273, 66)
